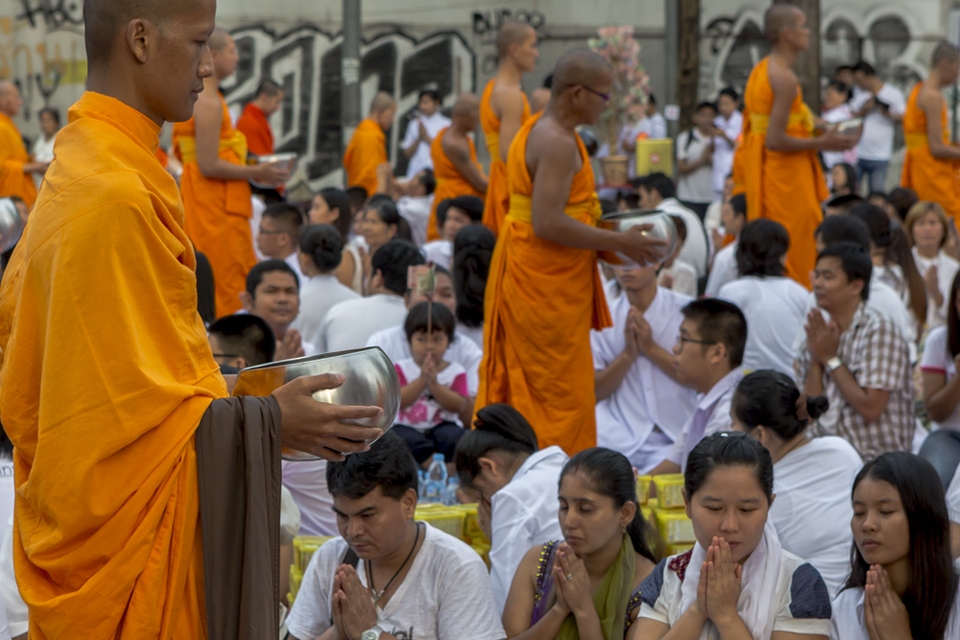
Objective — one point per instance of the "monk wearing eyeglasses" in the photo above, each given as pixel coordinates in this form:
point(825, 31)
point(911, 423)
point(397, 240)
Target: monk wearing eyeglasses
point(544, 292)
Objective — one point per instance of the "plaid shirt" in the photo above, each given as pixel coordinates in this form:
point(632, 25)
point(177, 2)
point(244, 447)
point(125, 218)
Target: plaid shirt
point(874, 351)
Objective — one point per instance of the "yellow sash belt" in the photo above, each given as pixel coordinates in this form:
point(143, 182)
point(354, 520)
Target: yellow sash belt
point(493, 145)
point(236, 143)
point(760, 122)
point(521, 209)
point(915, 140)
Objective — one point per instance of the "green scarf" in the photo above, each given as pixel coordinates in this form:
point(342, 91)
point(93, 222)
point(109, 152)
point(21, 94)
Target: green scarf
point(611, 598)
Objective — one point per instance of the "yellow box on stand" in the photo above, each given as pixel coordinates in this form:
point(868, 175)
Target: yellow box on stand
point(669, 490)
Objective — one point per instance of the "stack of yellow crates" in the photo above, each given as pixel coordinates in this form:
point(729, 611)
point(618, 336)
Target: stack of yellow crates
point(303, 549)
point(666, 512)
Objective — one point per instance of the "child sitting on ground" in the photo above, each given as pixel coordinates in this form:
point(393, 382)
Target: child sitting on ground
point(434, 400)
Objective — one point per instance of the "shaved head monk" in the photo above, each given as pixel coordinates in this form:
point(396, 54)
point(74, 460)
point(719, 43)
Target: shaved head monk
point(777, 164)
point(368, 146)
point(454, 156)
point(126, 448)
point(16, 169)
point(216, 181)
point(931, 166)
point(254, 122)
point(503, 110)
point(544, 292)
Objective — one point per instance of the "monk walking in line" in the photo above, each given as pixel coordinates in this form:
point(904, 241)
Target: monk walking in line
point(782, 177)
point(544, 292)
point(368, 146)
point(16, 169)
point(125, 441)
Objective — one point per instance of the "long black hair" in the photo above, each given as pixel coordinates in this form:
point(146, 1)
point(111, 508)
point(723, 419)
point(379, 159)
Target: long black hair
point(762, 245)
point(498, 427)
point(6, 446)
point(472, 255)
point(932, 590)
point(770, 398)
point(339, 200)
point(953, 318)
point(728, 449)
point(611, 474)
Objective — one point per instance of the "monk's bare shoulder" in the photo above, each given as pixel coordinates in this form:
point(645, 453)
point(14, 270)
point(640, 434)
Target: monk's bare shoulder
point(782, 78)
point(454, 145)
point(506, 99)
point(930, 98)
point(548, 139)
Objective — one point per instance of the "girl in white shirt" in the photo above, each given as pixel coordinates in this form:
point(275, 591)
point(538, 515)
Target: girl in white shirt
point(321, 252)
point(500, 460)
point(332, 206)
point(902, 583)
point(941, 358)
point(927, 226)
point(737, 583)
point(810, 515)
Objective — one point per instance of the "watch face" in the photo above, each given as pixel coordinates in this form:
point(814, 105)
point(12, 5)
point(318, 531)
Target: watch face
point(372, 634)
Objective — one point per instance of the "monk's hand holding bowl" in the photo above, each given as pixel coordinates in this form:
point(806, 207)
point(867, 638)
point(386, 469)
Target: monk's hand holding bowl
point(320, 428)
point(640, 247)
point(273, 173)
point(834, 140)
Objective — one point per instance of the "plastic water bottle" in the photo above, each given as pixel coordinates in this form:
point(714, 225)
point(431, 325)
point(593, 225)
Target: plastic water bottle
point(436, 479)
point(450, 494)
point(422, 485)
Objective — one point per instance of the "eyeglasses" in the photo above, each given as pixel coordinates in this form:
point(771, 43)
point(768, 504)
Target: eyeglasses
point(604, 96)
point(682, 340)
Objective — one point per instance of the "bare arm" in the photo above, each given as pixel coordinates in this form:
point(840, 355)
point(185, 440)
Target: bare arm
point(784, 83)
point(207, 115)
point(814, 383)
point(511, 119)
point(447, 397)
point(459, 153)
point(346, 269)
point(869, 403)
point(608, 380)
point(931, 103)
point(939, 396)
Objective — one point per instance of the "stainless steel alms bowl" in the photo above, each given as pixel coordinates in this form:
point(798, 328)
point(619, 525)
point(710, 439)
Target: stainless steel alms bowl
point(369, 380)
point(664, 228)
point(11, 224)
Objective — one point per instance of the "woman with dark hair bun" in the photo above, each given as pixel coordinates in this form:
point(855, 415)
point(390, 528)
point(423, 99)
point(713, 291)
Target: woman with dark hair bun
point(472, 254)
point(737, 581)
point(320, 255)
point(807, 471)
point(332, 206)
point(903, 581)
point(588, 585)
point(500, 461)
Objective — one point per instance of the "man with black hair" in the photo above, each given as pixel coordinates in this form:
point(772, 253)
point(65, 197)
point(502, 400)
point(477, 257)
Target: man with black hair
point(726, 129)
point(390, 577)
point(427, 122)
point(416, 203)
point(657, 191)
point(858, 359)
point(350, 324)
point(254, 122)
point(242, 340)
point(279, 235)
point(695, 160)
point(453, 214)
point(273, 293)
point(881, 105)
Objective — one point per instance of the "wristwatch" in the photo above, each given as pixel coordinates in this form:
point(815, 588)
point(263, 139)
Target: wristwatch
point(372, 634)
point(834, 363)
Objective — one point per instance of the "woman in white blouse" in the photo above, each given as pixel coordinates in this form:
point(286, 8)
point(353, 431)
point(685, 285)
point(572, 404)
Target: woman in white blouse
point(927, 226)
point(941, 357)
point(321, 250)
point(42, 150)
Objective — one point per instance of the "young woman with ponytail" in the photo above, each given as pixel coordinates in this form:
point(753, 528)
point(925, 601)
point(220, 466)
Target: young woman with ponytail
point(807, 471)
point(588, 584)
point(321, 252)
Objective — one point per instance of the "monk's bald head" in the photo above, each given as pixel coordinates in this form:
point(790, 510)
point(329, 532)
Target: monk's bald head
point(106, 20)
point(780, 17)
point(219, 40)
point(10, 101)
point(517, 45)
point(946, 62)
point(466, 103)
point(580, 67)
point(383, 109)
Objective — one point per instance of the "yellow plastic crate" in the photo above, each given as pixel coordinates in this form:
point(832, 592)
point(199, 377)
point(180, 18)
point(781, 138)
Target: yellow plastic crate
point(472, 533)
point(669, 490)
point(675, 527)
point(643, 489)
point(677, 549)
point(447, 519)
point(655, 155)
point(304, 547)
point(296, 578)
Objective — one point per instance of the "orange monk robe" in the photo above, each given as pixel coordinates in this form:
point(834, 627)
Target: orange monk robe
point(106, 374)
point(13, 155)
point(218, 212)
point(253, 124)
point(162, 157)
point(367, 151)
point(450, 182)
point(542, 300)
point(933, 179)
point(497, 201)
point(785, 187)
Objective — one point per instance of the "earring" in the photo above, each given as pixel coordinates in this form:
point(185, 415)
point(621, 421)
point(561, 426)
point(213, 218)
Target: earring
point(623, 528)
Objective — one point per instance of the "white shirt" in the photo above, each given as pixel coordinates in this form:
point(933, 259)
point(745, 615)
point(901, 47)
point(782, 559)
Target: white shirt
point(317, 296)
point(523, 514)
point(724, 269)
point(307, 482)
point(723, 150)
point(654, 126)
point(812, 509)
point(446, 594)
point(7, 488)
point(12, 603)
point(680, 277)
point(350, 324)
point(647, 397)
point(421, 159)
point(462, 350)
point(439, 252)
point(953, 497)
point(696, 248)
point(775, 309)
point(258, 207)
point(937, 359)
point(712, 416)
point(696, 186)
point(876, 142)
point(474, 333)
point(42, 152)
point(294, 262)
point(712, 220)
point(833, 116)
point(946, 270)
point(416, 211)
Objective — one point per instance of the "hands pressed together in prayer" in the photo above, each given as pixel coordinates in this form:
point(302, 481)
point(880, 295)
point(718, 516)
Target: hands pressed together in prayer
point(574, 592)
point(823, 338)
point(291, 346)
point(353, 608)
point(883, 610)
point(638, 334)
point(719, 588)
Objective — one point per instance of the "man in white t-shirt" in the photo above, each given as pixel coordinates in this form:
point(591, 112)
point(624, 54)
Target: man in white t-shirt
point(695, 161)
point(423, 129)
point(657, 191)
point(416, 203)
point(350, 324)
point(727, 127)
point(273, 293)
point(390, 577)
point(279, 235)
point(733, 215)
point(641, 408)
point(881, 106)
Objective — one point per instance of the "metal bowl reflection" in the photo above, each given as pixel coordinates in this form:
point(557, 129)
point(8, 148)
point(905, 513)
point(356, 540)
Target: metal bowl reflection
point(369, 380)
point(11, 224)
point(663, 227)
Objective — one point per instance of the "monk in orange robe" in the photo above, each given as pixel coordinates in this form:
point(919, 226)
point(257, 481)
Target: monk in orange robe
point(110, 449)
point(455, 165)
point(254, 122)
point(16, 169)
point(777, 161)
point(503, 110)
point(216, 182)
point(544, 292)
point(931, 166)
point(368, 147)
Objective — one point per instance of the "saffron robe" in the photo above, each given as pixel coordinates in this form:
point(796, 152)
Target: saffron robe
point(497, 201)
point(450, 182)
point(255, 127)
point(367, 151)
point(13, 155)
point(933, 179)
